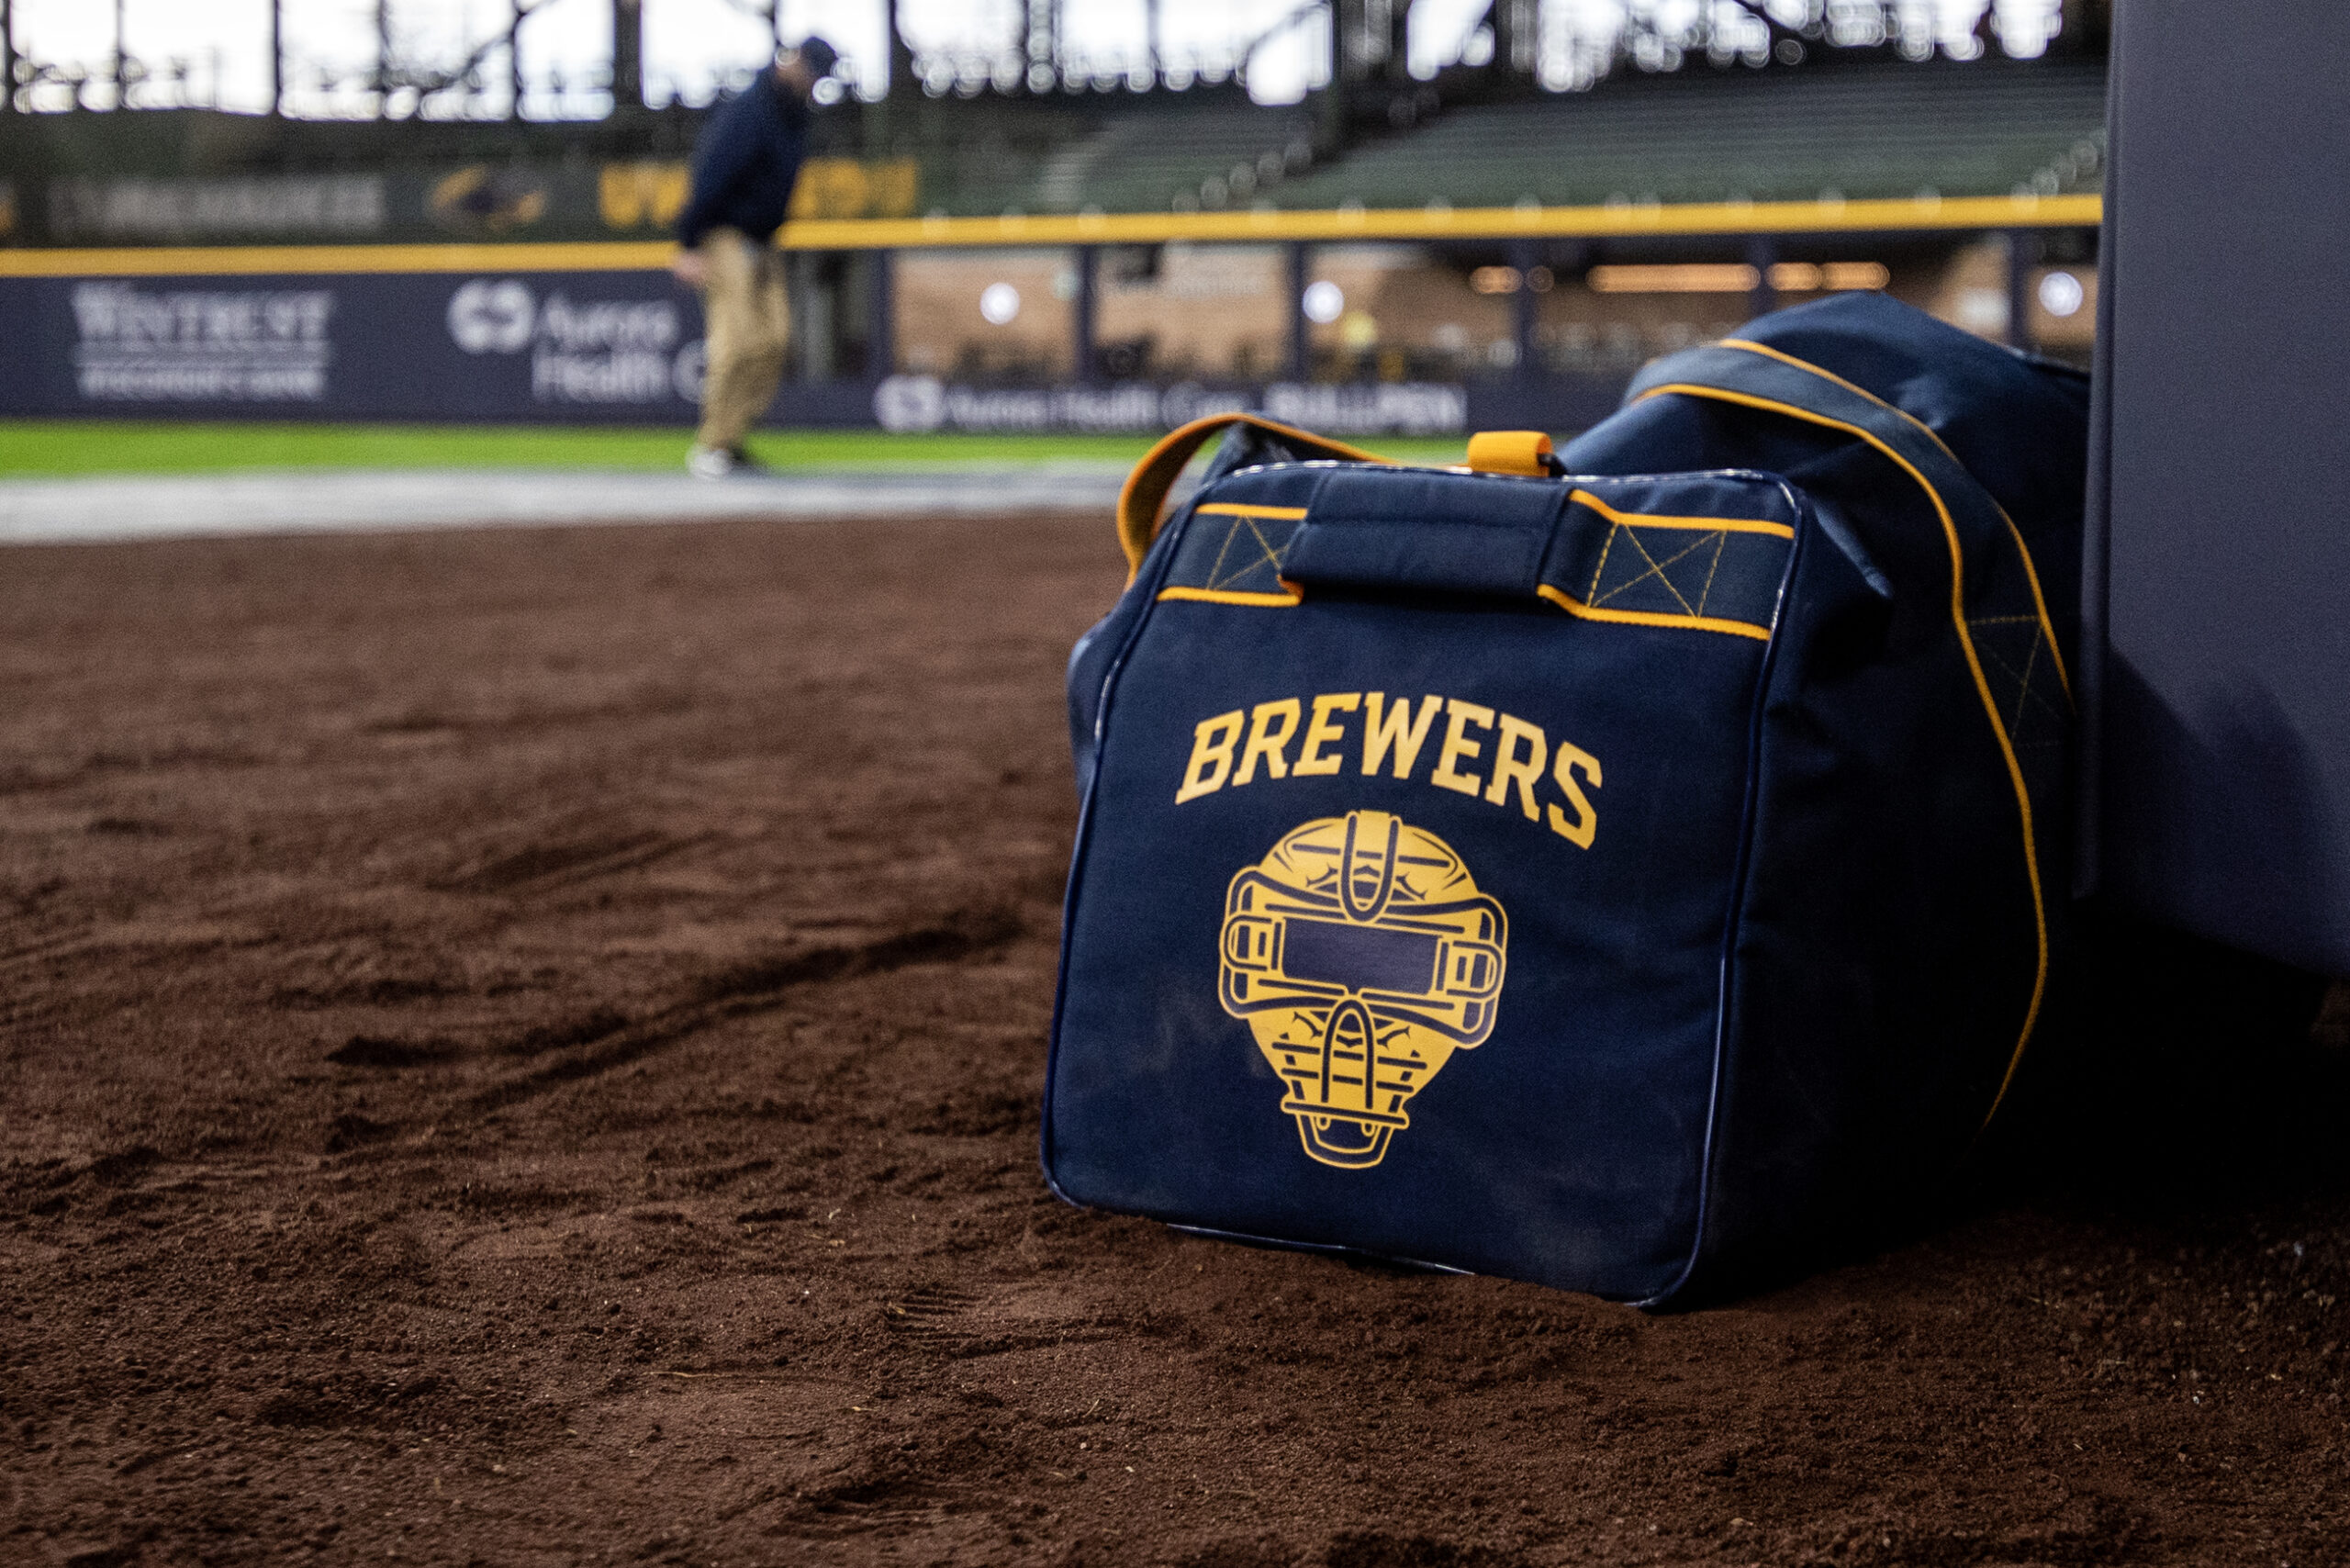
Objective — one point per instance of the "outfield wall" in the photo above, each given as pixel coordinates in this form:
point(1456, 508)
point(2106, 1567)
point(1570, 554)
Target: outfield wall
point(620, 347)
point(581, 347)
point(599, 334)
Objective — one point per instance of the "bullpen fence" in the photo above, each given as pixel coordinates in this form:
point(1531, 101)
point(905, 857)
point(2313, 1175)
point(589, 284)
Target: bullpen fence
point(599, 334)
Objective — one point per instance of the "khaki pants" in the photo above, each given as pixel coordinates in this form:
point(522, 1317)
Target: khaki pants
point(748, 315)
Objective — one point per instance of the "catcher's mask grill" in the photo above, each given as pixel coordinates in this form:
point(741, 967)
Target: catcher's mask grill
point(1362, 955)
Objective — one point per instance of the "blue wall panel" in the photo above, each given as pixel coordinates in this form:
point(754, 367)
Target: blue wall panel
point(2218, 799)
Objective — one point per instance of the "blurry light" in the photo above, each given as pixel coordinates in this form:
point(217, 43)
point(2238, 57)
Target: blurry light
point(1494, 280)
point(1982, 310)
point(1736, 277)
point(1857, 274)
point(1359, 331)
point(2061, 293)
point(1539, 279)
point(1324, 301)
point(826, 92)
point(998, 302)
point(1807, 277)
point(1688, 277)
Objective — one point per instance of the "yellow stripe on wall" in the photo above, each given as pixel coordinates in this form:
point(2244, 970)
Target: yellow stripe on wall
point(594, 255)
point(1441, 223)
point(1906, 215)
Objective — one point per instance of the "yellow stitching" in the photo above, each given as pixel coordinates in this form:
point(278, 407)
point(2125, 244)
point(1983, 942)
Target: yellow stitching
point(1271, 557)
point(1215, 570)
point(1659, 568)
point(2031, 571)
point(1180, 445)
point(2031, 575)
point(1975, 664)
point(2024, 683)
point(1241, 509)
point(1708, 524)
point(1575, 606)
point(1267, 555)
point(1721, 543)
point(1234, 596)
point(1604, 545)
point(1656, 570)
point(2024, 692)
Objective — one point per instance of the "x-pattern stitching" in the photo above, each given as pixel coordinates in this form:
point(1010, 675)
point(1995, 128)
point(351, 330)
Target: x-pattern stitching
point(1267, 555)
point(2025, 691)
point(1656, 569)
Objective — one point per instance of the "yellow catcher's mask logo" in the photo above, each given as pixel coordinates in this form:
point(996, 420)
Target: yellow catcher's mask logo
point(1362, 955)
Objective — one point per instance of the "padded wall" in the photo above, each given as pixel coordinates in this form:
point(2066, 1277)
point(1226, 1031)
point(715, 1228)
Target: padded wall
point(2218, 794)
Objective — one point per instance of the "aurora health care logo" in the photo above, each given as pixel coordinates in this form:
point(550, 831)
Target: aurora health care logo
point(581, 350)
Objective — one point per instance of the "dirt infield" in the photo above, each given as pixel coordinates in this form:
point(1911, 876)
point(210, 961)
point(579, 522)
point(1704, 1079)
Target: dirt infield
point(523, 1049)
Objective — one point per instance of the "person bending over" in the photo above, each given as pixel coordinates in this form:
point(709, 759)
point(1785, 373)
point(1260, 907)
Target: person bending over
point(745, 165)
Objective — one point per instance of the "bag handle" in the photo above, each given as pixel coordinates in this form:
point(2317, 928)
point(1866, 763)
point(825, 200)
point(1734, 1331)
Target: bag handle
point(1143, 503)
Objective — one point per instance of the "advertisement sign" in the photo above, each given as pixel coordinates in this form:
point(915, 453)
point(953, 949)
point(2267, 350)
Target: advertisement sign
point(470, 201)
point(249, 345)
point(185, 211)
point(922, 403)
point(587, 348)
point(581, 349)
point(577, 347)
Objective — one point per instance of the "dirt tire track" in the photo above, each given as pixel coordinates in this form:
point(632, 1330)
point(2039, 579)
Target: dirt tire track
point(744, 992)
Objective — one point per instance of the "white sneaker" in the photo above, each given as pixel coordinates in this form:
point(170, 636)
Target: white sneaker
point(709, 463)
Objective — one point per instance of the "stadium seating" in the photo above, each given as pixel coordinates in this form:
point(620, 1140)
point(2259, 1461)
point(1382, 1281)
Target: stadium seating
point(1760, 136)
point(1878, 132)
point(1152, 158)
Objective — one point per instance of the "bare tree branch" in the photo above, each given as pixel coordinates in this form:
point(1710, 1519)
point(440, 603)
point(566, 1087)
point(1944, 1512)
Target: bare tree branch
point(431, 84)
point(1269, 34)
point(1761, 13)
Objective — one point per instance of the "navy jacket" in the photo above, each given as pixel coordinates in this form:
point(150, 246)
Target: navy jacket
point(746, 162)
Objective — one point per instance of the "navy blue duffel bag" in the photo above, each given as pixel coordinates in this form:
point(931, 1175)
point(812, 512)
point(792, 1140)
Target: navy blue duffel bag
point(1632, 873)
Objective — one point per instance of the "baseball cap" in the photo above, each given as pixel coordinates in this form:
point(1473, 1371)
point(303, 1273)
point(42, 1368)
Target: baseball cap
point(819, 55)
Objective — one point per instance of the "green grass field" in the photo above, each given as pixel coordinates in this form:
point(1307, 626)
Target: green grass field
point(54, 447)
